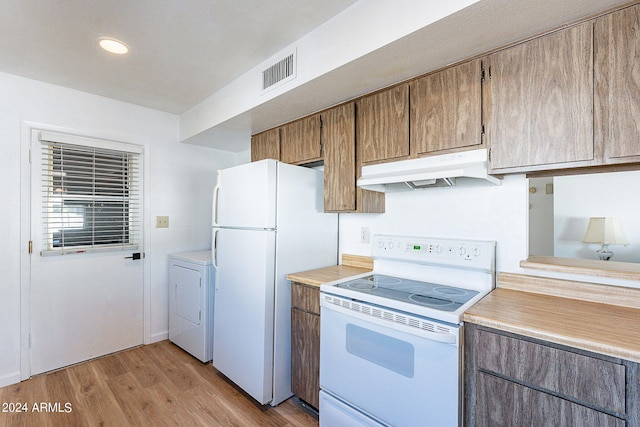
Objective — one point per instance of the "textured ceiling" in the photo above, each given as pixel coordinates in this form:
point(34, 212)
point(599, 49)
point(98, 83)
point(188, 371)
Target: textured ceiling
point(181, 50)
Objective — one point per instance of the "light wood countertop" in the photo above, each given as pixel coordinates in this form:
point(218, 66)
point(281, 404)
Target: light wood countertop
point(607, 328)
point(352, 265)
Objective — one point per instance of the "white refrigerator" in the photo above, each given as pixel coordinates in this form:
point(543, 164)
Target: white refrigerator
point(268, 221)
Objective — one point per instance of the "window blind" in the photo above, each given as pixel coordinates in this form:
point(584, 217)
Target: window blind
point(91, 195)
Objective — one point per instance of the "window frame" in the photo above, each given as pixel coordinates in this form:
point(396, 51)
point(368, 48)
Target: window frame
point(93, 194)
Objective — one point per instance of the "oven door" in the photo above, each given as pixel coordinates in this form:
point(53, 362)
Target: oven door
point(398, 374)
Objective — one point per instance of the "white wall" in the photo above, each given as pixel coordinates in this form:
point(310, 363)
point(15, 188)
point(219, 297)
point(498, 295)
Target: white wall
point(482, 213)
point(579, 197)
point(180, 179)
point(540, 216)
point(180, 186)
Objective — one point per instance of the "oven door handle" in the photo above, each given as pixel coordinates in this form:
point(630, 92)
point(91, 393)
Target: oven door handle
point(443, 337)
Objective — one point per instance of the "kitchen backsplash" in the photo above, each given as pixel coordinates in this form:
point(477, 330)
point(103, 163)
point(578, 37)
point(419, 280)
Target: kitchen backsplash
point(486, 212)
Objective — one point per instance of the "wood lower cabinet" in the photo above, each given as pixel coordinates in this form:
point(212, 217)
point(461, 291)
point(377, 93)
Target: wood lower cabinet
point(617, 93)
point(305, 342)
point(383, 125)
point(512, 380)
point(265, 145)
point(341, 167)
point(540, 103)
point(300, 141)
point(446, 109)
point(528, 407)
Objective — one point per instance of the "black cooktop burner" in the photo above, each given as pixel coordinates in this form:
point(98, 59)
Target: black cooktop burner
point(446, 290)
point(360, 285)
point(430, 301)
point(440, 297)
point(378, 279)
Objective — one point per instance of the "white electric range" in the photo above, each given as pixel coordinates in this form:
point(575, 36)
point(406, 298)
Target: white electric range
point(391, 340)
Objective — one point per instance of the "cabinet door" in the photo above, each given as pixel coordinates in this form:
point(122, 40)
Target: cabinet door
point(266, 145)
point(339, 134)
point(617, 107)
point(383, 125)
point(341, 168)
point(445, 109)
point(300, 141)
point(511, 380)
point(505, 403)
point(305, 356)
point(541, 102)
point(305, 297)
point(596, 382)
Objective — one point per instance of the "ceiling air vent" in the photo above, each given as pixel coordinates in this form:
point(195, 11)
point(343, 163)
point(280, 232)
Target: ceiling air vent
point(280, 72)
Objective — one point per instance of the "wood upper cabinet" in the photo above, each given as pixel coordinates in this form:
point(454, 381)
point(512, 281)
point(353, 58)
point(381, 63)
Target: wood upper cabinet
point(339, 134)
point(265, 145)
point(568, 99)
point(446, 109)
point(300, 141)
point(341, 169)
point(305, 342)
point(540, 103)
point(617, 77)
point(383, 125)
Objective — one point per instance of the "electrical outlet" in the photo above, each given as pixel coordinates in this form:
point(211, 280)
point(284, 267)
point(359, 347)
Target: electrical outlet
point(162, 222)
point(365, 236)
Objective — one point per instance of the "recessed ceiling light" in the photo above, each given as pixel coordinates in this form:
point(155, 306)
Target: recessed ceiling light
point(113, 46)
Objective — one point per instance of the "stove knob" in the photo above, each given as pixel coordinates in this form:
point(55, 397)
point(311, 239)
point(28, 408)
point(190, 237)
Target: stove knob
point(438, 249)
point(476, 252)
point(381, 244)
point(390, 244)
point(462, 251)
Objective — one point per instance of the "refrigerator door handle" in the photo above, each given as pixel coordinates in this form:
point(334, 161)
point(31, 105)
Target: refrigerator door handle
point(215, 250)
point(216, 190)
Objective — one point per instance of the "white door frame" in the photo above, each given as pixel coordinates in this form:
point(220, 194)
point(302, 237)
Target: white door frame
point(26, 128)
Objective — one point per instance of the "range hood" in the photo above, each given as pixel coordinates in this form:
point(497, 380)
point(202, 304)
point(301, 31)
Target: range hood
point(465, 167)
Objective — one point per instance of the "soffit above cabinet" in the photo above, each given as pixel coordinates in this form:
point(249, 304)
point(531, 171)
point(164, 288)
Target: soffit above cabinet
point(349, 56)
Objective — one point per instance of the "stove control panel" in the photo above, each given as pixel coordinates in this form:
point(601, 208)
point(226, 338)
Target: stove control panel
point(448, 252)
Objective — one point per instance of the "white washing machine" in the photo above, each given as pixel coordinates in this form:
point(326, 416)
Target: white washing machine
point(191, 293)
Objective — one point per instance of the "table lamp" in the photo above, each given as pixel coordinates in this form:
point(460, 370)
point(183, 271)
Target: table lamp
point(607, 231)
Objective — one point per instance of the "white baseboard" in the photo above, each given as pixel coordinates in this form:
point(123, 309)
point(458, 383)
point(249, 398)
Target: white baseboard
point(159, 337)
point(9, 379)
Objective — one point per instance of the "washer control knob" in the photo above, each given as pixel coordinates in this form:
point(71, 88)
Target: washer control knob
point(438, 249)
point(476, 252)
point(381, 244)
point(463, 250)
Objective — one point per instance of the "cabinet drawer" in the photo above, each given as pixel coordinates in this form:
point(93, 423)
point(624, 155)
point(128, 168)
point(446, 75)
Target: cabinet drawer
point(305, 297)
point(504, 403)
point(591, 381)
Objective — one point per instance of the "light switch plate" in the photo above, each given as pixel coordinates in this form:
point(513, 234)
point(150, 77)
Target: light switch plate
point(162, 222)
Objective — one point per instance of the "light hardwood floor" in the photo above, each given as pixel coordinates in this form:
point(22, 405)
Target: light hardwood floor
point(153, 385)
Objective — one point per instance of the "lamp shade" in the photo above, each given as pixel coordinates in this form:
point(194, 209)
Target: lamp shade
point(605, 230)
